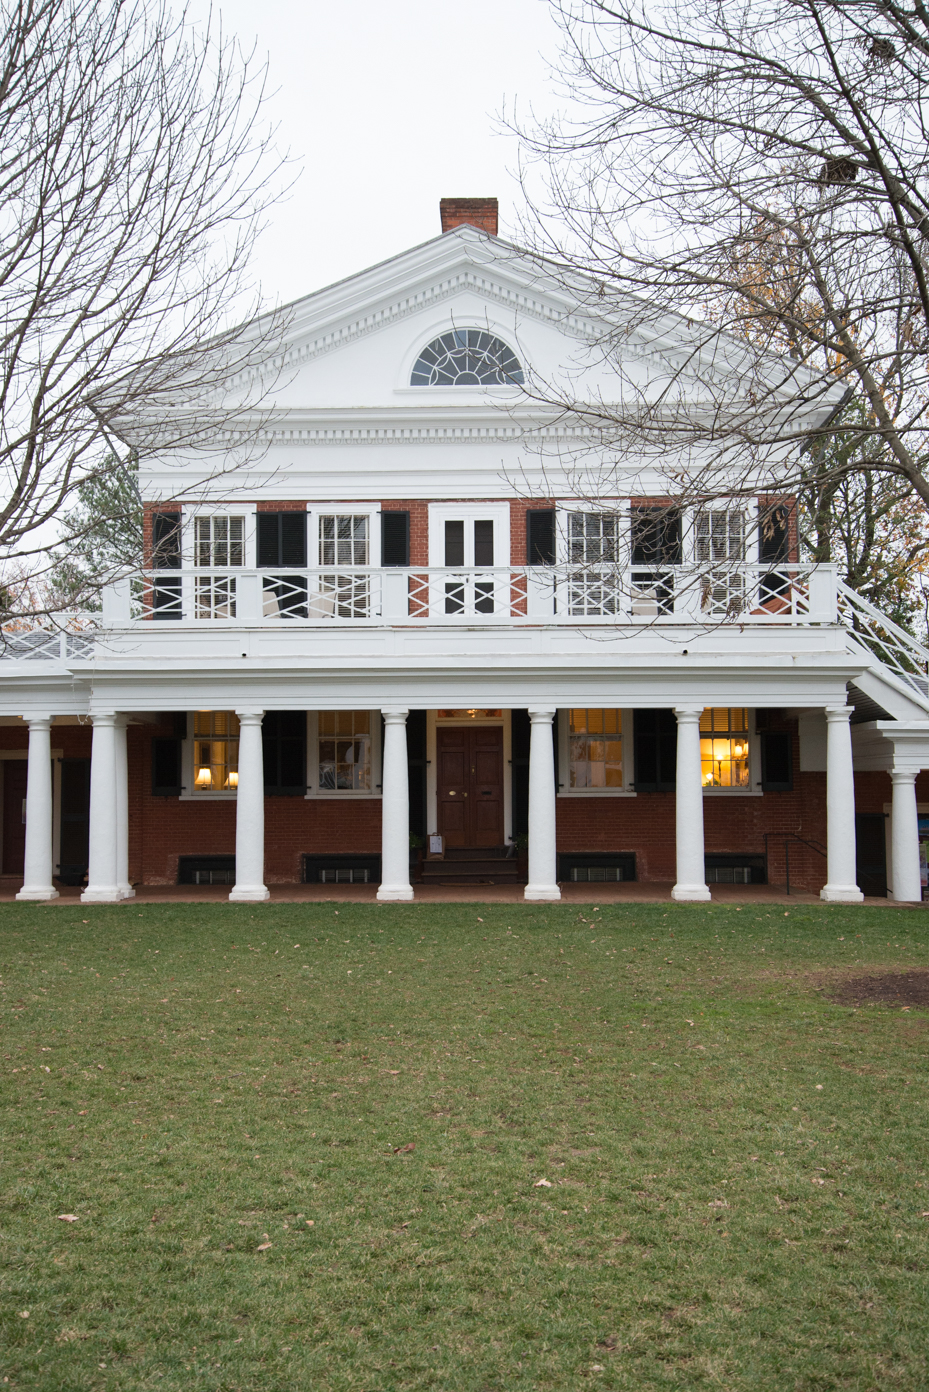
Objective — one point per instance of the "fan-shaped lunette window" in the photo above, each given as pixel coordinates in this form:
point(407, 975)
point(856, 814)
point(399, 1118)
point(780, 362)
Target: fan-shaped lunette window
point(467, 358)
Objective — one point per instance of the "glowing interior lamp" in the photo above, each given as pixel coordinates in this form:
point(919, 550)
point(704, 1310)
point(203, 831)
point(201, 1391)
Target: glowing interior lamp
point(740, 751)
point(204, 778)
point(232, 781)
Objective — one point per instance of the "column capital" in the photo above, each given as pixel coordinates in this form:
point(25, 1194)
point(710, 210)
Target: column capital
point(250, 717)
point(541, 717)
point(395, 717)
point(686, 715)
point(38, 720)
point(103, 717)
point(903, 775)
point(838, 713)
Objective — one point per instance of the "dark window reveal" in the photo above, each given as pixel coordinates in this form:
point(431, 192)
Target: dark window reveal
point(540, 536)
point(395, 538)
point(777, 769)
point(484, 542)
point(773, 535)
point(656, 536)
point(283, 742)
point(655, 741)
point(166, 540)
point(281, 539)
point(454, 543)
point(166, 768)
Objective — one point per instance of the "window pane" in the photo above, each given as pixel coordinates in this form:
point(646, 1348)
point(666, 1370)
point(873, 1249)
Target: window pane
point(595, 761)
point(724, 747)
point(216, 751)
point(345, 751)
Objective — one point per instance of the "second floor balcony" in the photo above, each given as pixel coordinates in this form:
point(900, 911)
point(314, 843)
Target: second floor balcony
point(737, 593)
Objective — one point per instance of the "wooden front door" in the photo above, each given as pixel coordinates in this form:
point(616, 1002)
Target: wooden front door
point(470, 785)
point(14, 816)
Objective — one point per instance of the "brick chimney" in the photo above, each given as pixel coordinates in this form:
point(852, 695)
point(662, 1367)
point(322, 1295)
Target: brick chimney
point(476, 212)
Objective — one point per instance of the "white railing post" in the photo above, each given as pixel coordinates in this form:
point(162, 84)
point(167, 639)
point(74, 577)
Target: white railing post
point(824, 594)
point(540, 592)
point(394, 589)
point(115, 598)
point(248, 596)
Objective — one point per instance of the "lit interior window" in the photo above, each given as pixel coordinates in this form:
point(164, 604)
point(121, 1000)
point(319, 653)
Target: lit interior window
point(345, 751)
point(595, 743)
point(724, 747)
point(216, 751)
point(473, 714)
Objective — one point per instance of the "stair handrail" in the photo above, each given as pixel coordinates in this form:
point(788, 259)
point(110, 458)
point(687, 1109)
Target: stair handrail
point(897, 649)
point(788, 837)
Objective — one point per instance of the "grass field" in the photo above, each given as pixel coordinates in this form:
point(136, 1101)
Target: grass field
point(304, 1145)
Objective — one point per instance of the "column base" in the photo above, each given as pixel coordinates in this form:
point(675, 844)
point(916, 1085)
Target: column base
point(30, 895)
point(249, 894)
point(103, 895)
point(841, 894)
point(541, 893)
point(691, 894)
point(126, 892)
point(395, 894)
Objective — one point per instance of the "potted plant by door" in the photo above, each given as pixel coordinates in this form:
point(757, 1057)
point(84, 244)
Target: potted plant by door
point(416, 857)
point(521, 844)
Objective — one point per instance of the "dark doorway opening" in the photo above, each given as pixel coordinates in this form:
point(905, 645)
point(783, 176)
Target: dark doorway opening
point(871, 854)
point(75, 821)
point(14, 816)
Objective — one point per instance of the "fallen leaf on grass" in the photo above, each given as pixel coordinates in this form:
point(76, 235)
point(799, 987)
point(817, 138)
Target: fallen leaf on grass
point(542, 1184)
point(400, 1149)
point(68, 1217)
point(816, 1180)
point(717, 1203)
point(264, 1246)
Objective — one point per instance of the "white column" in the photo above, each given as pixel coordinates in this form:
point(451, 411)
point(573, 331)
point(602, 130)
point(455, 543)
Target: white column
point(249, 887)
point(691, 869)
point(840, 886)
point(102, 858)
point(395, 811)
point(904, 863)
point(543, 860)
point(122, 814)
point(37, 880)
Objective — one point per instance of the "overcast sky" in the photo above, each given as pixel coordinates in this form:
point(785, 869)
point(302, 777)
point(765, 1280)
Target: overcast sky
point(385, 109)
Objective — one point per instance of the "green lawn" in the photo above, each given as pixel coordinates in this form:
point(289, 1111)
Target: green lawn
point(304, 1148)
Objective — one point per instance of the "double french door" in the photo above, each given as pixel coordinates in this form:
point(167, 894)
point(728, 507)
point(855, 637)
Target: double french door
point(470, 785)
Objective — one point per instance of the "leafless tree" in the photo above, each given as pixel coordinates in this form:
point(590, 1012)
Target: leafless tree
point(739, 190)
point(135, 169)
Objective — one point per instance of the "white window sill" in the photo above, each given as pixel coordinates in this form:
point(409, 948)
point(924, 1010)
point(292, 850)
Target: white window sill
point(732, 792)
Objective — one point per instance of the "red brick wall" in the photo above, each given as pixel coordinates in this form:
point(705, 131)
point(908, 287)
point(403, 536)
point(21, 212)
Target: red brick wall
point(162, 829)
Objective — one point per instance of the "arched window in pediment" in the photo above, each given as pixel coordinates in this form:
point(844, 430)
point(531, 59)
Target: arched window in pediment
point(467, 358)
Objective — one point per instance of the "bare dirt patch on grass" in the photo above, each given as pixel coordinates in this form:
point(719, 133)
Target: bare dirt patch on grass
point(901, 989)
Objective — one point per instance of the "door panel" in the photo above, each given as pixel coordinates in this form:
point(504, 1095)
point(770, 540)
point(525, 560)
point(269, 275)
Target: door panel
point(14, 816)
point(470, 785)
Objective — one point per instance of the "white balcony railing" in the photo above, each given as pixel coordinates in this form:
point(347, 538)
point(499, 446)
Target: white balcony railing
point(734, 593)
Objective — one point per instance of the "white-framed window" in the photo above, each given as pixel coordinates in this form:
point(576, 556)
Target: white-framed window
point(219, 541)
point(720, 536)
point(592, 538)
point(344, 748)
point(725, 747)
point(211, 765)
point(214, 597)
point(595, 753)
point(344, 539)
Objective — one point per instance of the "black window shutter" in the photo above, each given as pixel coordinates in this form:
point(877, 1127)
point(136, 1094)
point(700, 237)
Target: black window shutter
point(293, 538)
point(655, 745)
point(395, 538)
point(166, 540)
point(269, 539)
point(166, 768)
point(777, 765)
point(283, 741)
point(656, 536)
point(540, 536)
point(520, 736)
point(773, 535)
point(416, 761)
